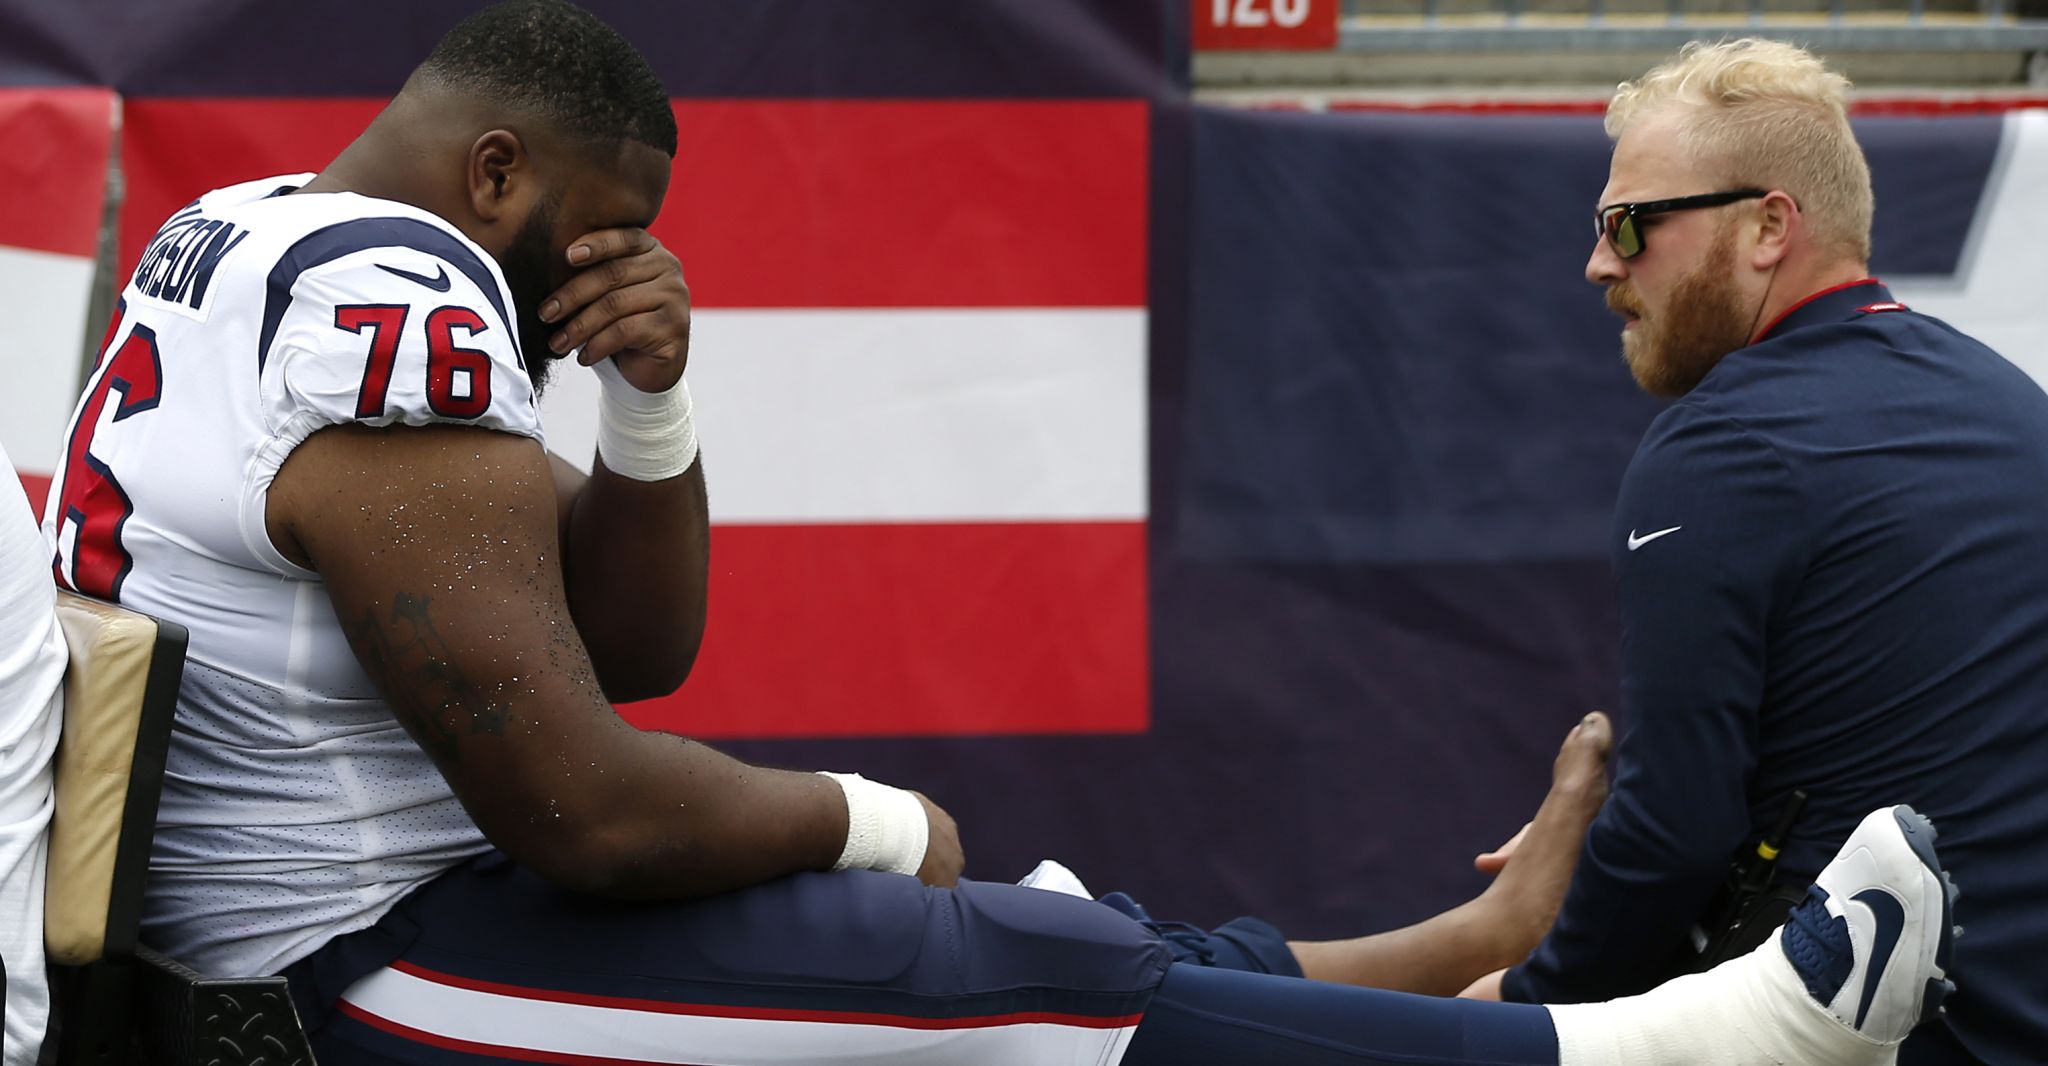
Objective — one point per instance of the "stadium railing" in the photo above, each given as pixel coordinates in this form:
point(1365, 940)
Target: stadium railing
point(2019, 26)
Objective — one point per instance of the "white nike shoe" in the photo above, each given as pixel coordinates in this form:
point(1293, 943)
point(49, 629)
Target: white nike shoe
point(1874, 939)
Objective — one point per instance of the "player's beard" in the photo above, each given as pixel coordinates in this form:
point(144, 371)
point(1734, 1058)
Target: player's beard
point(1703, 321)
point(526, 272)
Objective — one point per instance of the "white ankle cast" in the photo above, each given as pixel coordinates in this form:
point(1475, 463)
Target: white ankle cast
point(1751, 1011)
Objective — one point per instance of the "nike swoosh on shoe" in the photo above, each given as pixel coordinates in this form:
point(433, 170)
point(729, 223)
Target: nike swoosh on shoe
point(1891, 920)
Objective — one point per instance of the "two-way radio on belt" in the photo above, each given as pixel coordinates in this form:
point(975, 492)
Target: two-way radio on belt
point(1751, 903)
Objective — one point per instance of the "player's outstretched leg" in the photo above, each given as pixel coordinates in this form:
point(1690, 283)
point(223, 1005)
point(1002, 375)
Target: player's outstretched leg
point(1857, 965)
point(1863, 960)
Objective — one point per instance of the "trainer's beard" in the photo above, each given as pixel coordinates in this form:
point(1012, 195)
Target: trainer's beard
point(1703, 321)
point(525, 265)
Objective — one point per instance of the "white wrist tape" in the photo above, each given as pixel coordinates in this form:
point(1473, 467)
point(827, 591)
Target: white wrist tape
point(886, 827)
point(646, 436)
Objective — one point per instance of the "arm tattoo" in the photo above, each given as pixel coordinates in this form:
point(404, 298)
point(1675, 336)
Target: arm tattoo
point(407, 656)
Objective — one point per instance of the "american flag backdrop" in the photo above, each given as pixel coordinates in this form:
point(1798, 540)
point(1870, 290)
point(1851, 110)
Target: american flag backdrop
point(53, 190)
point(918, 354)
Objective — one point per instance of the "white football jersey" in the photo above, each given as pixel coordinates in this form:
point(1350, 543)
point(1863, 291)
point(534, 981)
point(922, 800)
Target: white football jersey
point(295, 807)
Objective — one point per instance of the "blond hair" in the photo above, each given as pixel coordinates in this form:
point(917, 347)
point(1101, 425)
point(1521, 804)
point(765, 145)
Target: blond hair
point(1764, 113)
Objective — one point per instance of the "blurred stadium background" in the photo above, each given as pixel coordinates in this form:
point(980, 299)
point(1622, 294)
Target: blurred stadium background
point(1172, 433)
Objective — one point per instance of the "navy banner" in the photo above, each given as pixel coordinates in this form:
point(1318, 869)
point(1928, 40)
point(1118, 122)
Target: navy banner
point(701, 48)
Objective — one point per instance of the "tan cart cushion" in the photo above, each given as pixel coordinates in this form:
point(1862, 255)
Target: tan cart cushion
point(111, 649)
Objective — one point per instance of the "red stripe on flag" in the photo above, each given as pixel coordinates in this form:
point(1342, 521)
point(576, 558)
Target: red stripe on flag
point(911, 204)
point(174, 150)
point(37, 486)
point(54, 170)
point(784, 203)
point(870, 630)
point(472, 1047)
point(773, 1014)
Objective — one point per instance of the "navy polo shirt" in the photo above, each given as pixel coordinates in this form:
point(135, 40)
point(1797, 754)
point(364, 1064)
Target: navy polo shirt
point(1832, 560)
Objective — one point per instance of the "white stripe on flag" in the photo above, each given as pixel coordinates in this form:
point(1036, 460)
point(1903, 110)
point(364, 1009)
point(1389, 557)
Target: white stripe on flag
point(866, 415)
point(573, 1029)
point(43, 298)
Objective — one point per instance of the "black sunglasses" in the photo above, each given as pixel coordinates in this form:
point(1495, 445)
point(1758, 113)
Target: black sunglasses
point(1617, 222)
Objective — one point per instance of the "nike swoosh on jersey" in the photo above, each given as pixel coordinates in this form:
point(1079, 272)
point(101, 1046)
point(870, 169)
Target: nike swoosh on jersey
point(439, 282)
point(1891, 919)
point(1634, 541)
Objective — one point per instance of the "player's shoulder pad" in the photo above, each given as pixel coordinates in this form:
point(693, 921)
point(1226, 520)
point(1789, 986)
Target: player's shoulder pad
point(391, 319)
point(352, 260)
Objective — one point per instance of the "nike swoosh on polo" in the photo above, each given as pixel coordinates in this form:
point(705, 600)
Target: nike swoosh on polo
point(1634, 541)
point(438, 283)
point(1891, 919)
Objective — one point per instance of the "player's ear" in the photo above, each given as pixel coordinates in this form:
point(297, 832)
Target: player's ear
point(497, 166)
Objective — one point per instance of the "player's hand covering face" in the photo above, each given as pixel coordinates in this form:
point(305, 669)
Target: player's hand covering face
point(626, 302)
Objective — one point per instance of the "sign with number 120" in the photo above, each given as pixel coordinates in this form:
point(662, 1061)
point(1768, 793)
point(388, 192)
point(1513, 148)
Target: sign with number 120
point(1261, 24)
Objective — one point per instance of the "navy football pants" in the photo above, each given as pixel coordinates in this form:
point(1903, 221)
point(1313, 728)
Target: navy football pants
point(488, 963)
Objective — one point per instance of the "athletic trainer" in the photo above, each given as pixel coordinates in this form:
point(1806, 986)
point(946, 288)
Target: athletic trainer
point(1832, 554)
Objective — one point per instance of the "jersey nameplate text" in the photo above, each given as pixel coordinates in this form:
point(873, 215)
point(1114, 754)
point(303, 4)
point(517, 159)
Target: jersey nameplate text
point(179, 264)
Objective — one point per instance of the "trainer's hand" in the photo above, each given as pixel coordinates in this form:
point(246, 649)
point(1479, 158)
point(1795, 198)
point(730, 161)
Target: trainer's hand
point(627, 302)
point(943, 859)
